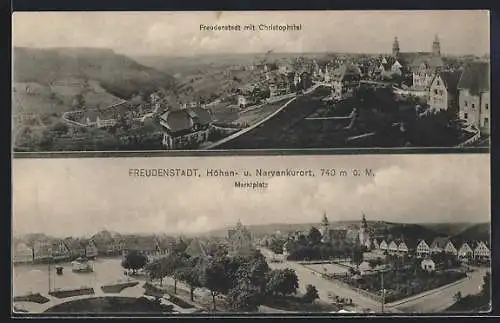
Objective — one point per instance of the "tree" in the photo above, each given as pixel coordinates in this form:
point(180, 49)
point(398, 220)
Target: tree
point(486, 287)
point(190, 275)
point(171, 263)
point(79, 102)
point(282, 282)
point(311, 293)
point(314, 236)
point(214, 278)
point(134, 260)
point(244, 297)
point(357, 256)
point(254, 273)
point(60, 128)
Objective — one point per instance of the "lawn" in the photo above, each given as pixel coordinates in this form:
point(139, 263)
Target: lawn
point(34, 298)
point(296, 304)
point(110, 305)
point(72, 292)
point(402, 284)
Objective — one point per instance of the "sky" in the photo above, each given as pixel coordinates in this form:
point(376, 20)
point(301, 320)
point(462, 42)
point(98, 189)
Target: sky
point(82, 196)
point(178, 33)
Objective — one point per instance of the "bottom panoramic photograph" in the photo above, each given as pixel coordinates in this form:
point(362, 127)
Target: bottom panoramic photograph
point(289, 235)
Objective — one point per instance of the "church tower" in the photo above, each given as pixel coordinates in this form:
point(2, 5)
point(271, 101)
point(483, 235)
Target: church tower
point(325, 226)
point(364, 238)
point(436, 46)
point(395, 47)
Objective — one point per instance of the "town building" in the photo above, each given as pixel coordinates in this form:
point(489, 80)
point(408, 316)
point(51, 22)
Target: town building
point(403, 248)
point(438, 244)
point(451, 249)
point(375, 244)
point(335, 236)
point(443, 91)
point(75, 248)
point(364, 235)
point(465, 253)
point(185, 128)
point(345, 81)
point(421, 65)
point(383, 246)
point(474, 96)
point(91, 250)
point(482, 252)
point(240, 240)
point(428, 265)
point(423, 249)
point(393, 247)
point(60, 251)
point(22, 253)
point(42, 251)
point(146, 245)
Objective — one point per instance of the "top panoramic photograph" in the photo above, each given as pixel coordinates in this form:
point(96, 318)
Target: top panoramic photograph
point(158, 81)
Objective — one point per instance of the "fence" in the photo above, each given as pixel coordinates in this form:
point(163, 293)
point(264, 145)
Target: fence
point(471, 140)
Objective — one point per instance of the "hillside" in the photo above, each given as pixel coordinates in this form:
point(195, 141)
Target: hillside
point(447, 229)
point(117, 74)
point(476, 232)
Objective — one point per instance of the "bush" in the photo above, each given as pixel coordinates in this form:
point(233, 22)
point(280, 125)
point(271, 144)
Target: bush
point(311, 293)
point(117, 288)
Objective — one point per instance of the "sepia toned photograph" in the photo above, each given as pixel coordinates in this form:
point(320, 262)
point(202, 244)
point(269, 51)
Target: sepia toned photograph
point(399, 235)
point(158, 81)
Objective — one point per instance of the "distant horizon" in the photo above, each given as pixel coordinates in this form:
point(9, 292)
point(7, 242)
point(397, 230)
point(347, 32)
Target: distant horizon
point(229, 226)
point(240, 54)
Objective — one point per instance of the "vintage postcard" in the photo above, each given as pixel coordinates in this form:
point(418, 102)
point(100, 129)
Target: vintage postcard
point(395, 234)
point(143, 81)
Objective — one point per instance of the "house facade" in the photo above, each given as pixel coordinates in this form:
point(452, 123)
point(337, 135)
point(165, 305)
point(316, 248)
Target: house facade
point(345, 82)
point(438, 244)
point(42, 251)
point(403, 248)
point(428, 265)
point(423, 249)
point(443, 91)
point(474, 96)
point(482, 252)
point(185, 128)
point(76, 248)
point(22, 253)
point(465, 252)
point(393, 247)
point(450, 248)
point(60, 251)
point(383, 246)
point(91, 250)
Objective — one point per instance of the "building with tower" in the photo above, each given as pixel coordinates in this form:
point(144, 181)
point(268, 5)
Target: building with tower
point(336, 236)
point(364, 235)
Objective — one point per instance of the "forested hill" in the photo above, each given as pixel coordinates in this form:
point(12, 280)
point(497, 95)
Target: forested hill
point(116, 73)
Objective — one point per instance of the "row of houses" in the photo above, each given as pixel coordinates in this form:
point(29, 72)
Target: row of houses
point(57, 250)
point(70, 248)
point(477, 250)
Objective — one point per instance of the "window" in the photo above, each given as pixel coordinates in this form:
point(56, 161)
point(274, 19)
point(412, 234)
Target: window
point(486, 122)
point(438, 82)
point(465, 103)
point(466, 115)
point(436, 91)
point(473, 106)
point(486, 106)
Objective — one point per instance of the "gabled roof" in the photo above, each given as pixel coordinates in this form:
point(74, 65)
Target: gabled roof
point(140, 243)
point(450, 79)
point(195, 248)
point(439, 242)
point(475, 77)
point(73, 244)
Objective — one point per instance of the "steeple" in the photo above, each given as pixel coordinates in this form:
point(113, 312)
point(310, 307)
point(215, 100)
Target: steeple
point(395, 47)
point(436, 46)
